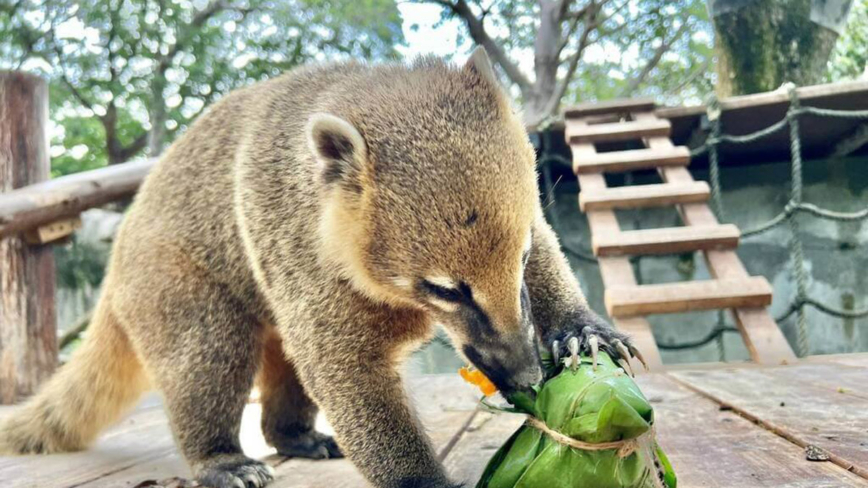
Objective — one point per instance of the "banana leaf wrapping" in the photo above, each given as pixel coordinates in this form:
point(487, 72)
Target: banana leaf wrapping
point(580, 410)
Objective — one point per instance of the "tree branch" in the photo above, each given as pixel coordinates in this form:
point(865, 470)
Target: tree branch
point(481, 37)
point(692, 76)
point(137, 145)
point(199, 19)
point(575, 18)
point(77, 94)
point(555, 100)
point(662, 49)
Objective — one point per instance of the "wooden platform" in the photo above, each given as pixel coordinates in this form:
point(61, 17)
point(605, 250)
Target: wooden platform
point(731, 427)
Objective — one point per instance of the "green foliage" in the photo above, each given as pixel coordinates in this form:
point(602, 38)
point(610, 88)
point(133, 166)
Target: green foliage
point(850, 57)
point(80, 264)
point(621, 59)
point(630, 40)
point(119, 67)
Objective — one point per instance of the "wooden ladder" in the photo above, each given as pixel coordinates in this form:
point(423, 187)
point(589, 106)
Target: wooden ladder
point(626, 302)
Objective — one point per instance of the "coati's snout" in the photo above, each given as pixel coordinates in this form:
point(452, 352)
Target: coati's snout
point(501, 345)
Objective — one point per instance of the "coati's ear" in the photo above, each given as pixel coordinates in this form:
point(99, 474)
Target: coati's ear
point(480, 64)
point(337, 146)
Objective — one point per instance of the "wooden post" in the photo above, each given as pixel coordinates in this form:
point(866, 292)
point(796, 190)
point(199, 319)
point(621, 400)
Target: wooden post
point(28, 328)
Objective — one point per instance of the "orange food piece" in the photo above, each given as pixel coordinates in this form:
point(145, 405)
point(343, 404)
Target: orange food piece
point(475, 377)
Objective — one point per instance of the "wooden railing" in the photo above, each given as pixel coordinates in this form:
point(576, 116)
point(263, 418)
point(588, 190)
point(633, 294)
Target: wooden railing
point(42, 204)
point(36, 211)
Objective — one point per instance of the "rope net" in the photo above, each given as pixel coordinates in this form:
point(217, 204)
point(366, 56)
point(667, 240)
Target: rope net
point(789, 215)
point(792, 209)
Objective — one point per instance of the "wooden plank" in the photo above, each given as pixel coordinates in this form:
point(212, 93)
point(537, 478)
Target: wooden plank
point(666, 241)
point(618, 131)
point(687, 297)
point(28, 326)
point(853, 90)
point(139, 438)
point(67, 196)
point(857, 360)
point(444, 404)
point(620, 161)
point(53, 231)
point(656, 195)
point(838, 378)
point(802, 413)
point(714, 448)
point(485, 435)
point(619, 106)
point(142, 448)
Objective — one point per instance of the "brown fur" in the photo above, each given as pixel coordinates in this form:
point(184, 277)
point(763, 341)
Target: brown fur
point(328, 202)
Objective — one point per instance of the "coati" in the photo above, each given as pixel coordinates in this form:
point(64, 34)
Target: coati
point(307, 233)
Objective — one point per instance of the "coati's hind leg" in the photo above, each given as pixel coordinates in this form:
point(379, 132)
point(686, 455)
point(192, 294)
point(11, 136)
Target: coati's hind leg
point(202, 349)
point(288, 413)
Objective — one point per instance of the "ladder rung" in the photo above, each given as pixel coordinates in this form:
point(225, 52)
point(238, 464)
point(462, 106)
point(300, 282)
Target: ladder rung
point(623, 106)
point(688, 296)
point(617, 131)
point(667, 240)
point(619, 161)
point(657, 195)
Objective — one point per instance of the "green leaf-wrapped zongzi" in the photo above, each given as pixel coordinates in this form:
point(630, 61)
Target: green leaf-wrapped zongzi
point(589, 427)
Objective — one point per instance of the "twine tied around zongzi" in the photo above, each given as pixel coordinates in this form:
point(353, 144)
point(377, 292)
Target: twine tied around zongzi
point(625, 447)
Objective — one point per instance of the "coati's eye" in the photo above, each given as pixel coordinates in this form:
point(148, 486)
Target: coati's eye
point(442, 292)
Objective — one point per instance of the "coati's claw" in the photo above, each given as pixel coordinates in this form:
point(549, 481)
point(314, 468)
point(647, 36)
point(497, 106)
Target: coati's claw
point(595, 350)
point(625, 365)
point(591, 338)
point(638, 355)
point(628, 352)
point(573, 346)
point(625, 353)
point(237, 474)
point(311, 445)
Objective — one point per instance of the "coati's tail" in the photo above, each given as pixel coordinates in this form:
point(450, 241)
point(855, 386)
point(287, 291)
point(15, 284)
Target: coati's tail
point(103, 379)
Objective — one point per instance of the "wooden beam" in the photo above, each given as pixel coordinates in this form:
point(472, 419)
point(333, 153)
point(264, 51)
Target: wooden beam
point(669, 240)
point(49, 201)
point(621, 106)
point(617, 131)
point(638, 196)
point(28, 326)
point(52, 232)
point(688, 296)
point(621, 161)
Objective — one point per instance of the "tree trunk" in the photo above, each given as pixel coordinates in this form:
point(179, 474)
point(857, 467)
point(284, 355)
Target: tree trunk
point(762, 44)
point(157, 134)
point(28, 327)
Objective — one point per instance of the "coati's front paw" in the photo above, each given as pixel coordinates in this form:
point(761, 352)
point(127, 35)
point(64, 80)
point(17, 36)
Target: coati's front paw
point(237, 472)
point(591, 339)
point(309, 445)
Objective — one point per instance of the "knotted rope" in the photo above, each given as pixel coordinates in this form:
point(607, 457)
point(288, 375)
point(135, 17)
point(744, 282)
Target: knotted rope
point(625, 447)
